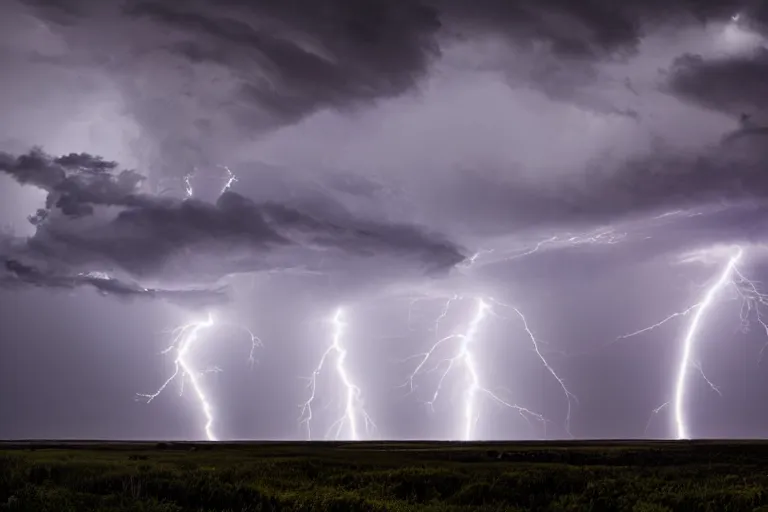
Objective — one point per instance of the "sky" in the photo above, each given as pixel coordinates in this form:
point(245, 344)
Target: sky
point(370, 219)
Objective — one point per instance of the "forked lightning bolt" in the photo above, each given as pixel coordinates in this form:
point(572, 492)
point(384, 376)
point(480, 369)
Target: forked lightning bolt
point(464, 358)
point(603, 236)
point(185, 338)
point(752, 300)
point(231, 179)
point(354, 417)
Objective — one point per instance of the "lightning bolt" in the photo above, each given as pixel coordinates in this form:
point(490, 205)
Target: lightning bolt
point(231, 179)
point(354, 412)
point(188, 185)
point(747, 290)
point(463, 358)
point(653, 414)
point(688, 342)
point(752, 299)
point(603, 236)
point(185, 338)
point(536, 347)
point(674, 315)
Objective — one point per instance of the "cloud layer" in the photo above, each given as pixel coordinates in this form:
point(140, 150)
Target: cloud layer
point(20, 275)
point(202, 78)
point(566, 116)
point(96, 218)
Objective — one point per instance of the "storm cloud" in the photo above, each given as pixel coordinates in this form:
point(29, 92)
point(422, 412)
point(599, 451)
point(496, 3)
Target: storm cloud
point(19, 275)
point(219, 84)
point(203, 79)
point(157, 237)
point(736, 85)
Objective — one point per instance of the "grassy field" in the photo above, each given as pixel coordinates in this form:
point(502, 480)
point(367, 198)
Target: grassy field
point(578, 476)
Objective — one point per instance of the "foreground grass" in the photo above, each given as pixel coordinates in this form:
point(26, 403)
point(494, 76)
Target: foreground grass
point(162, 477)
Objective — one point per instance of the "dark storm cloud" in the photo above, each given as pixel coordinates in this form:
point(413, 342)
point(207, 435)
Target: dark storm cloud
point(612, 190)
point(396, 35)
point(292, 58)
point(734, 84)
point(577, 29)
point(72, 174)
point(355, 51)
point(289, 59)
point(242, 232)
point(167, 238)
point(202, 79)
point(673, 181)
point(20, 274)
point(75, 182)
point(220, 73)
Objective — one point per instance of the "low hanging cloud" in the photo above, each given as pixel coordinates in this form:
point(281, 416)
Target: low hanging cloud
point(18, 275)
point(96, 218)
point(736, 84)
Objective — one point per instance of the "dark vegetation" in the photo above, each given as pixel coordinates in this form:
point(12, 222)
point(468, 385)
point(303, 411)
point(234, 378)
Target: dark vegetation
point(239, 477)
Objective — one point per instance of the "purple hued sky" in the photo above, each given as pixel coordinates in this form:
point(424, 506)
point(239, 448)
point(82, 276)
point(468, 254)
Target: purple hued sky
point(591, 167)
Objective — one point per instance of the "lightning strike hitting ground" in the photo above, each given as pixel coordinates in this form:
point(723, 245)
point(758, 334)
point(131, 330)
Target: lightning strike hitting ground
point(354, 408)
point(184, 340)
point(752, 299)
point(464, 358)
point(186, 337)
point(568, 395)
point(690, 337)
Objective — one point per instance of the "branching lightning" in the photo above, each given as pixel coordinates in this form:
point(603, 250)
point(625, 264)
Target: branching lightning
point(674, 315)
point(752, 300)
point(354, 414)
point(602, 236)
point(231, 179)
point(185, 338)
point(654, 412)
point(463, 358)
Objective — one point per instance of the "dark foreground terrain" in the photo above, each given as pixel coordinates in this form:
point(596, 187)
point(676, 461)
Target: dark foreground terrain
point(578, 476)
